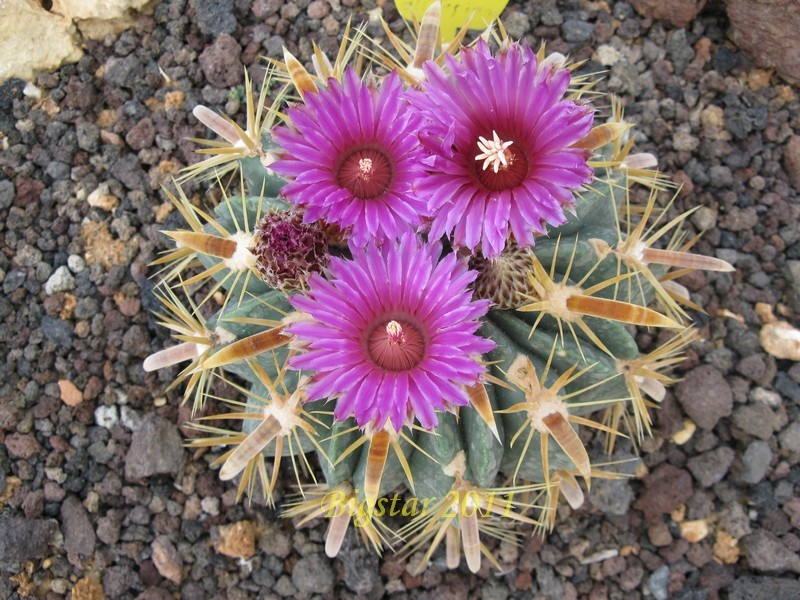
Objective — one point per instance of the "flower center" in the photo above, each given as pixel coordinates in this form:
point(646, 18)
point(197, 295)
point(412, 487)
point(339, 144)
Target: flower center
point(366, 172)
point(396, 345)
point(493, 152)
point(501, 165)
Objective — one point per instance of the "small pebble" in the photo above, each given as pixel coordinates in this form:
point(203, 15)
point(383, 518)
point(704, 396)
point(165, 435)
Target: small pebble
point(60, 281)
point(106, 416)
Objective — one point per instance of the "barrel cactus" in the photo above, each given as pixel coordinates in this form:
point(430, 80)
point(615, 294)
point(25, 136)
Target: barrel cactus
point(428, 277)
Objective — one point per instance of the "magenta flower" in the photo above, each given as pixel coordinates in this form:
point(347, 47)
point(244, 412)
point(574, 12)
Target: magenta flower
point(352, 154)
point(392, 334)
point(500, 134)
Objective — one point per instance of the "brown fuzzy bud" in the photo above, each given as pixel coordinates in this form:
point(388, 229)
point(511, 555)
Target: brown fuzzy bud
point(504, 280)
point(288, 250)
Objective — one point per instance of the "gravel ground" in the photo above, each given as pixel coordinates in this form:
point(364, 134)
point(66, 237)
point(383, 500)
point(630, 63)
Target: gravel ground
point(88, 509)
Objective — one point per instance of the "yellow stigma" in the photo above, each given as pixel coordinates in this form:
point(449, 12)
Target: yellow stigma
point(493, 152)
point(365, 168)
point(395, 332)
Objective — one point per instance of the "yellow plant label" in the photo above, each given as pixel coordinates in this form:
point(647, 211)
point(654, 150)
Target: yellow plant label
point(455, 13)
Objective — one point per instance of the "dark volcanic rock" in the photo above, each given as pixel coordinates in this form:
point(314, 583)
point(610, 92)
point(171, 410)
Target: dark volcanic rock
point(711, 467)
point(79, 536)
point(214, 16)
point(155, 449)
point(313, 575)
point(666, 489)
point(23, 540)
point(612, 496)
point(791, 160)
point(768, 554)
point(764, 588)
point(124, 72)
point(755, 461)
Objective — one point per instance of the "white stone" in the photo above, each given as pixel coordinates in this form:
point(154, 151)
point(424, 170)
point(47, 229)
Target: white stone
point(106, 416)
point(76, 263)
point(607, 55)
point(55, 474)
point(131, 419)
point(31, 91)
point(768, 397)
point(210, 505)
point(60, 281)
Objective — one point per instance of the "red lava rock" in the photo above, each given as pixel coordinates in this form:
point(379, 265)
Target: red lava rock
point(318, 9)
point(694, 280)
point(221, 62)
point(700, 554)
point(675, 551)
point(392, 568)
point(524, 581)
point(141, 135)
point(93, 388)
point(209, 485)
point(22, 445)
point(659, 535)
point(666, 489)
point(792, 509)
point(130, 307)
point(33, 504)
point(28, 191)
point(631, 578)
point(53, 492)
point(767, 31)
point(679, 12)
point(715, 576)
point(167, 559)
point(265, 8)
point(791, 160)
point(80, 94)
point(705, 396)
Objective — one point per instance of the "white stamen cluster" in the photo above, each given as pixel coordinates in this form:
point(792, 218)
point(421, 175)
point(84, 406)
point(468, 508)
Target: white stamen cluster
point(365, 166)
point(493, 152)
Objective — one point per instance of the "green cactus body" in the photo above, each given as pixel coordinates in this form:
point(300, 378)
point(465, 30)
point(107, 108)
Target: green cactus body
point(563, 351)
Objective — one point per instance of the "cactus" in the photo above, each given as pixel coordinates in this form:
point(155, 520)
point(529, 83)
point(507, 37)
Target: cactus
point(428, 279)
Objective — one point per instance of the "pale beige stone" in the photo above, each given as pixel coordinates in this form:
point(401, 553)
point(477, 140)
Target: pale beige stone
point(103, 198)
point(686, 433)
point(98, 9)
point(237, 540)
point(24, 24)
point(778, 338)
point(167, 559)
point(34, 40)
point(98, 18)
point(781, 340)
point(694, 531)
point(70, 394)
point(88, 588)
point(726, 548)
